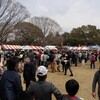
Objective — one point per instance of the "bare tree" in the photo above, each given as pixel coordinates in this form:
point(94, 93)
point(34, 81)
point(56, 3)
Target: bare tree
point(47, 25)
point(10, 14)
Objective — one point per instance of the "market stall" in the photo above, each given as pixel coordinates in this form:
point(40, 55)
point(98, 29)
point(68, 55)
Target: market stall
point(51, 48)
point(11, 47)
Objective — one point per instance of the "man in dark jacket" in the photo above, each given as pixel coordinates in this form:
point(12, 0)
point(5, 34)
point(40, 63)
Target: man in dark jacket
point(96, 80)
point(29, 72)
point(42, 89)
point(10, 82)
point(67, 63)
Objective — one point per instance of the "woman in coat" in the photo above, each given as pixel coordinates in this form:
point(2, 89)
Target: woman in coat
point(10, 81)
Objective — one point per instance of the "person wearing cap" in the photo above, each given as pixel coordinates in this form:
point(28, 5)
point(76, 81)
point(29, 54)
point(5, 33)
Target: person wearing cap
point(42, 89)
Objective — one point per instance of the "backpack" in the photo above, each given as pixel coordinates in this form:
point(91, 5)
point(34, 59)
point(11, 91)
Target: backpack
point(51, 57)
point(93, 59)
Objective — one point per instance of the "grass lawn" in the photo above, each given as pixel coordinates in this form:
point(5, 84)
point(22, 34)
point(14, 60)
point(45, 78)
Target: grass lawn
point(84, 75)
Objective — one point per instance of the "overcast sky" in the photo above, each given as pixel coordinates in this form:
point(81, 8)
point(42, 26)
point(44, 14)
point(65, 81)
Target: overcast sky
point(68, 14)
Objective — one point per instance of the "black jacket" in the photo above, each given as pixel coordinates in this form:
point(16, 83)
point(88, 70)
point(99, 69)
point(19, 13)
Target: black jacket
point(10, 85)
point(29, 71)
point(96, 80)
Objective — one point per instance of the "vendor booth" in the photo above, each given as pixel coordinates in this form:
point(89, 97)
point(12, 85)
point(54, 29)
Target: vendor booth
point(50, 48)
point(11, 47)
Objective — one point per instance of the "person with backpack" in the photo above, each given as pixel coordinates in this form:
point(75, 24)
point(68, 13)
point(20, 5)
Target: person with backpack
point(45, 58)
point(96, 80)
point(52, 61)
point(92, 60)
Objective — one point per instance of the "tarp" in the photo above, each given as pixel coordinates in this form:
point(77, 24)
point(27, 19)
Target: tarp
point(26, 47)
point(50, 48)
point(46, 48)
point(32, 47)
point(81, 48)
point(96, 47)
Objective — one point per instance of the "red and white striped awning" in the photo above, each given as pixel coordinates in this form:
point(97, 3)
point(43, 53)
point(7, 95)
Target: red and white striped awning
point(11, 47)
point(41, 47)
point(77, 48)
point(33, 47)
point(81, 48)
point(37, 47)
point(14, 47)
point(85, 48)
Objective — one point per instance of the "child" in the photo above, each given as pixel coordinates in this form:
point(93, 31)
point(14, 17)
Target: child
point(72, 87)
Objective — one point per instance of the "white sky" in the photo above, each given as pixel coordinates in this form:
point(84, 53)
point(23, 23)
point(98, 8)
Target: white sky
point(68, 14)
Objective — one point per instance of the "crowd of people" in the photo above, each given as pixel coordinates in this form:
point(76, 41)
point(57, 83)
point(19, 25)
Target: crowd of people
point(32, 62)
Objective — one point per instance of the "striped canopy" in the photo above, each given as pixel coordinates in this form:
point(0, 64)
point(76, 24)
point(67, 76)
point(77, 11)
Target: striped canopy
point(11, 47)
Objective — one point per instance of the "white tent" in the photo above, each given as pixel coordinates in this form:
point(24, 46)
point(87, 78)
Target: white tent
point(50, 47)
point(81, 48)
point(26, 47)
point(96, 47)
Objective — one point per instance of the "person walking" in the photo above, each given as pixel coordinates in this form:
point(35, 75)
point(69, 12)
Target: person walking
point(67, 64)
point(83, 60)
point(52, 61)
point(63, 61)
point(79, 56)
point(58, 60)
point(96, 79)
point(29, 72)
point(45, 58)
point(42, 89)
point(74, 58)
point(92, 60)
